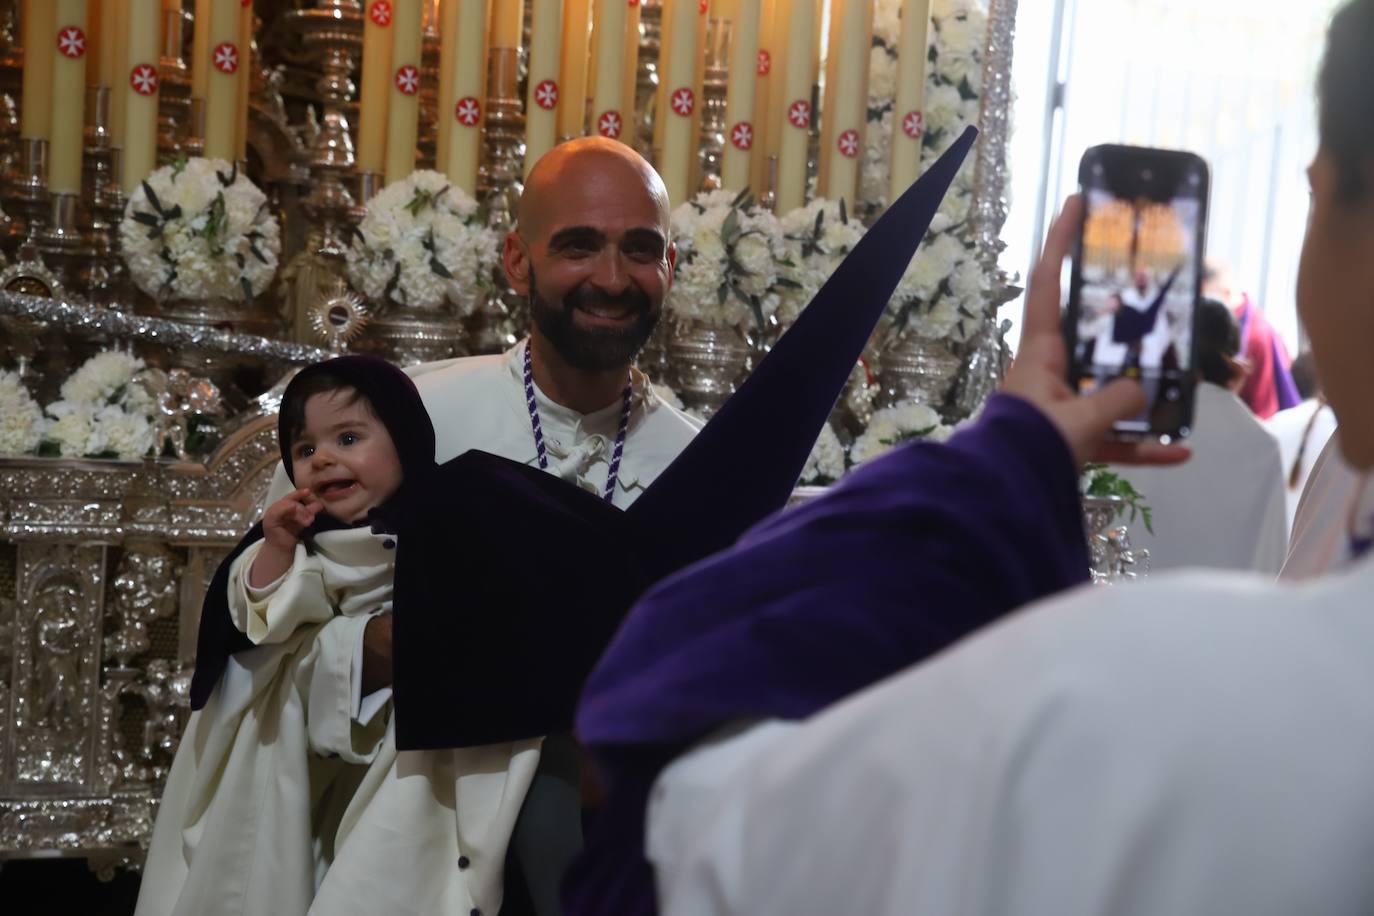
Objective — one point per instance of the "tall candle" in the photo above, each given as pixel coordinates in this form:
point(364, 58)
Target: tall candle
point(448, 35)
point(375, 91)
point(40, 41)
point(97, 38)
point(846, 98)
point(572, 81)
point(798, 17)
point(140, 91)
point(764, 124)
point(908, 118)
point(403, 107)
point(200, 49)
point(466, 40)
point(630, 67)
point(608, 38)
point(541, 99)
point(245, 88)
point(740, 95)
point(694, 172)
point(68, 76)
point(676, 99)
point(222, 82)
point(506, 23)
point(121, 70)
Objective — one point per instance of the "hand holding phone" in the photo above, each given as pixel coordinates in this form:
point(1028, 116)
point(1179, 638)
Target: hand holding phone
point(1136, 281)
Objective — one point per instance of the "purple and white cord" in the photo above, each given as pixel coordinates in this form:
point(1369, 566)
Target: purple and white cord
point(542, 453)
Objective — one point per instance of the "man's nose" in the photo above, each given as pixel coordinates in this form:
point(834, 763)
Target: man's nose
point(611, 275)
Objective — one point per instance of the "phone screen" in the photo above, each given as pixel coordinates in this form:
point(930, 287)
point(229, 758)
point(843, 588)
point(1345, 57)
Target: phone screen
point(1136, 280)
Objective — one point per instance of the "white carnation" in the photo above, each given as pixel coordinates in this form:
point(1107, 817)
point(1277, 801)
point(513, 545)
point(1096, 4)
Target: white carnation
point(21, 420)
point(887, 24)
point(826, 462)
point(128, 435)
point(100, 377)
point(882, 77)
point(74, 429)
point(942, 108)
point(892, 426)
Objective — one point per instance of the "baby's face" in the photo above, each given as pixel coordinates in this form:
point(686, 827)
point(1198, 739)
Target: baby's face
point(345, 456)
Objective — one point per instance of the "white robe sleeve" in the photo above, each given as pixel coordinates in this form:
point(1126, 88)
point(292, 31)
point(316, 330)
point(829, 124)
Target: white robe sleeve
point(272, 613)
point(332, 699)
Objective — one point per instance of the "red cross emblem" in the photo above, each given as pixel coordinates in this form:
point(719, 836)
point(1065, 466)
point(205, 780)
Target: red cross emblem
point(144, 79)
point(546, 94)
point(702, 5)
point(765, 62)
point(380, 13)
point(634, 2)
point(799, 114)
point(849, 143)
point(468, 112)
point(609, 124)
point(914, 124)
point(408, 79)
point(71, 41)
point(742, 135)
point(226, 58)
point(684, 101)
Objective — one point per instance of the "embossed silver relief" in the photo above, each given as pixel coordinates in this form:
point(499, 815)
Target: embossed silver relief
point(145, 589)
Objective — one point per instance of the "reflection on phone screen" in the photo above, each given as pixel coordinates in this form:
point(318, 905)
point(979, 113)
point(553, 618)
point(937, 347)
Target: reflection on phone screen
point(1137, 281)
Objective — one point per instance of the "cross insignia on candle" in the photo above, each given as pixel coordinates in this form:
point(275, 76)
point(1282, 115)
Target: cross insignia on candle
point(742, 135)
point(702, 5)
point(609, 124)
point(226, 58)
point(914, 124)
point(634, 2)
point(408, 79)
point(765, 62)
point(380, 13)
point(799, 114)
point(546, 94)
point(144, 79)
point(71, 41)
point(468, 112)
point(684, 101)
point(849, 143)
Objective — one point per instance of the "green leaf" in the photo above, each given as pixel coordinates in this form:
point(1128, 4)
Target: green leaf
point(440, 269)
point(147, 219)
point(730, 227)
point(178, 166)
point(739, 199)
point(152, 197)
point(844, 216)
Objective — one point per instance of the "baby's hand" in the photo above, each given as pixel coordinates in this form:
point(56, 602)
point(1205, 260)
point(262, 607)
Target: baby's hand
point(286, 518)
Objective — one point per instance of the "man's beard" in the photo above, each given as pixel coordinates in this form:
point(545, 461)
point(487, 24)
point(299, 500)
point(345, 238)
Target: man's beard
point(587, 348)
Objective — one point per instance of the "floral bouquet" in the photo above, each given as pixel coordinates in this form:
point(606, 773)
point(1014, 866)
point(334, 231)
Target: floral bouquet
point(199, 229)
point(21, 421)
point(818, 237)
point(892, 426)
point(826, 463)
point(421, 245)
point(103, 413)
point(945, 291)
point(728, 255)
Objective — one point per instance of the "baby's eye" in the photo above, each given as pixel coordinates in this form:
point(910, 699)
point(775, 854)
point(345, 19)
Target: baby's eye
point(305, 451)
point(348, 438)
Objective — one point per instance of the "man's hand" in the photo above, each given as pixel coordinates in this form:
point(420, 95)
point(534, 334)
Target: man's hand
point(282, 525)
point(1039, 372)
point(377, 653)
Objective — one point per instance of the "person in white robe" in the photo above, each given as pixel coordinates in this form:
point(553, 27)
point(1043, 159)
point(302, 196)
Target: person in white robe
point(1225, 507)
point(1199, 743)
point(594, 224)
point(1302, 431)
point(1321, 527)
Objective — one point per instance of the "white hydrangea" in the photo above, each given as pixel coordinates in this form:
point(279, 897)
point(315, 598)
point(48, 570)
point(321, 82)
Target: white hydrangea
point(21, 419)
point(421, 244)
point(892, 426)
point(727, 255)
point(826, 463)
point(200, 229)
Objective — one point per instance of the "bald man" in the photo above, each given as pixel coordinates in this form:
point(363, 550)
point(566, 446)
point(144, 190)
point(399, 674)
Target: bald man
point(429, 831)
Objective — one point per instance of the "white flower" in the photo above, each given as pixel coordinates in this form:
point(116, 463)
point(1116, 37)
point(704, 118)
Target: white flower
point(101, 377)
point(74, 429)
point(826, 462)
point(958, 37)
point(887, 25)
point(882, 77)
point(128, 435)
point(421, 245)
point(892, 426)
point(942, 108)
point(21, 420)
point(725, 278)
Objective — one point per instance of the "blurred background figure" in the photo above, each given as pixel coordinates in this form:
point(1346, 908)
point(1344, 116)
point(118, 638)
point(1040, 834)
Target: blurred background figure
point(1302, 431)
point(1269, 386)
point(1225, 507)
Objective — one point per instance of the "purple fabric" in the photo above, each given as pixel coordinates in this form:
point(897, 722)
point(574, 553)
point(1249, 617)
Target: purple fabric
point(1269, 387)
point(906, 556)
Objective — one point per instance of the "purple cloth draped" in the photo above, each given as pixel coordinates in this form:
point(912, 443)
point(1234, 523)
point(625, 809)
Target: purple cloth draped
point(903, 558)
point(1269, 387)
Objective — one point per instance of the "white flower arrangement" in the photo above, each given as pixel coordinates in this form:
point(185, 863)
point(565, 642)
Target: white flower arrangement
point(199, 229)
point(104, 411)
point(892, 426)
point(819, 236)
point(944, 293)
point(422, 244)
point(826, 463)
point(728, 254)
point(21, 420)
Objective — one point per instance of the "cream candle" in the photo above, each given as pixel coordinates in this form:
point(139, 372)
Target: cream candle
point(572, 82)
point(608, 86)
point(846, 98)
point(140, 91)
point(39, 31)
point(68, 78)
point(222, 83)
point(908, 118)
point(797, 18)
point(541, 100)
point(467, 42)
point(403, 104)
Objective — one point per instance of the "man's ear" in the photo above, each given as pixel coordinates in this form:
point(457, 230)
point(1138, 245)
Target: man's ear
point(515, 258)
point(672, 263)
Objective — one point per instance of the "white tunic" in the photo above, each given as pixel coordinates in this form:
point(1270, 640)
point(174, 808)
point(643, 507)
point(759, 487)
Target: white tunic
point(1197, 744)
point(1222, 508)
point(417, 831)
point(1301, 432)
point(1321, 530)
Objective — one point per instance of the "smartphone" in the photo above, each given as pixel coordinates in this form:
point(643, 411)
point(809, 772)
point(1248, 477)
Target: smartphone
point(1137, 276)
